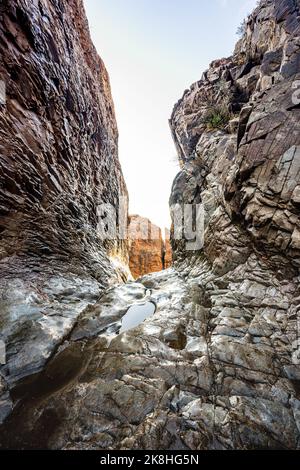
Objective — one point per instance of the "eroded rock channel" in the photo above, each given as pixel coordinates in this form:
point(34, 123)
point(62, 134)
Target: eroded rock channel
point(217, 364)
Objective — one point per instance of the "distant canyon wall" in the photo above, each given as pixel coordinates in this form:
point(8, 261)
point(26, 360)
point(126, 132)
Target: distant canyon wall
point(149, 251)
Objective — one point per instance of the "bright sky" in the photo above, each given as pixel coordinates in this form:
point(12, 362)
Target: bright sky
point(154, 50)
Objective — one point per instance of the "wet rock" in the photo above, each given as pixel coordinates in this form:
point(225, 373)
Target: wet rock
point(198, 386)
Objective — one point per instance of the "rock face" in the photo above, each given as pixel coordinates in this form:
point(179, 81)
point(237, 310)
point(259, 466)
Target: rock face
point(168, 255)
point(240, 159)
point(218, 365)
point(247, 172)
point(58, 162)
point(148, 251)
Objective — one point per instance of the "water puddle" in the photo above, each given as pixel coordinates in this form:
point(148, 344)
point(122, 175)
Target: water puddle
point(138, 313)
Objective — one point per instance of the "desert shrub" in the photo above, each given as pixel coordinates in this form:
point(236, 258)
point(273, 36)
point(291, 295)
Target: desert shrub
point(216, 117)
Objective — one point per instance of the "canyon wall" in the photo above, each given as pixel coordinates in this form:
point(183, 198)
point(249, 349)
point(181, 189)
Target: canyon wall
point(237, 132)
point(58, 163)
point(148, 251)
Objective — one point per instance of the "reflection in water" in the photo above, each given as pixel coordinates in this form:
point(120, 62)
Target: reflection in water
point(136, 314)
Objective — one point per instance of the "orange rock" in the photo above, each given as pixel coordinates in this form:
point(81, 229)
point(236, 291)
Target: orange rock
point(148, 252)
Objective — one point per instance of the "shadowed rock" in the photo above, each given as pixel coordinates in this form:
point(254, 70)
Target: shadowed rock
point(58, 162)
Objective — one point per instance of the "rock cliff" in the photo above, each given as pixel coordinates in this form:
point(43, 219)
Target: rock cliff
point(58, 163)
point(237, 132)
point(168, 255)
point(148, 251)
point(217, 366)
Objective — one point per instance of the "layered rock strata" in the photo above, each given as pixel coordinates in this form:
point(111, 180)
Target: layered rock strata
point(58, 164)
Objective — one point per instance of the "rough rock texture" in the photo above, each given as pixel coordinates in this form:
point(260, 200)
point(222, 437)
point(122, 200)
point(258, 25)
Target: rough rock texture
point(58, 162)
point(168, 255)
point(210, 370)
point(148, 251)
point(218, 365)
point(247, 176)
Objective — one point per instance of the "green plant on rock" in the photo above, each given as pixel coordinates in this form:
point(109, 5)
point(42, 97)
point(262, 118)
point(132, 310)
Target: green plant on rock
point(217, 117)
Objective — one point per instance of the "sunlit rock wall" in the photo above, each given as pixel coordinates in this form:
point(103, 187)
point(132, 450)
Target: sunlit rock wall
point(149, 252)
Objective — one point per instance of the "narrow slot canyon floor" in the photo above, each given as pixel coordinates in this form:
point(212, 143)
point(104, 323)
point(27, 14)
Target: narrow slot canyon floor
point(188, 377)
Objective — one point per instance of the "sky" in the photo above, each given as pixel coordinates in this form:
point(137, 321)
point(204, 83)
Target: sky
point(153, 51)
